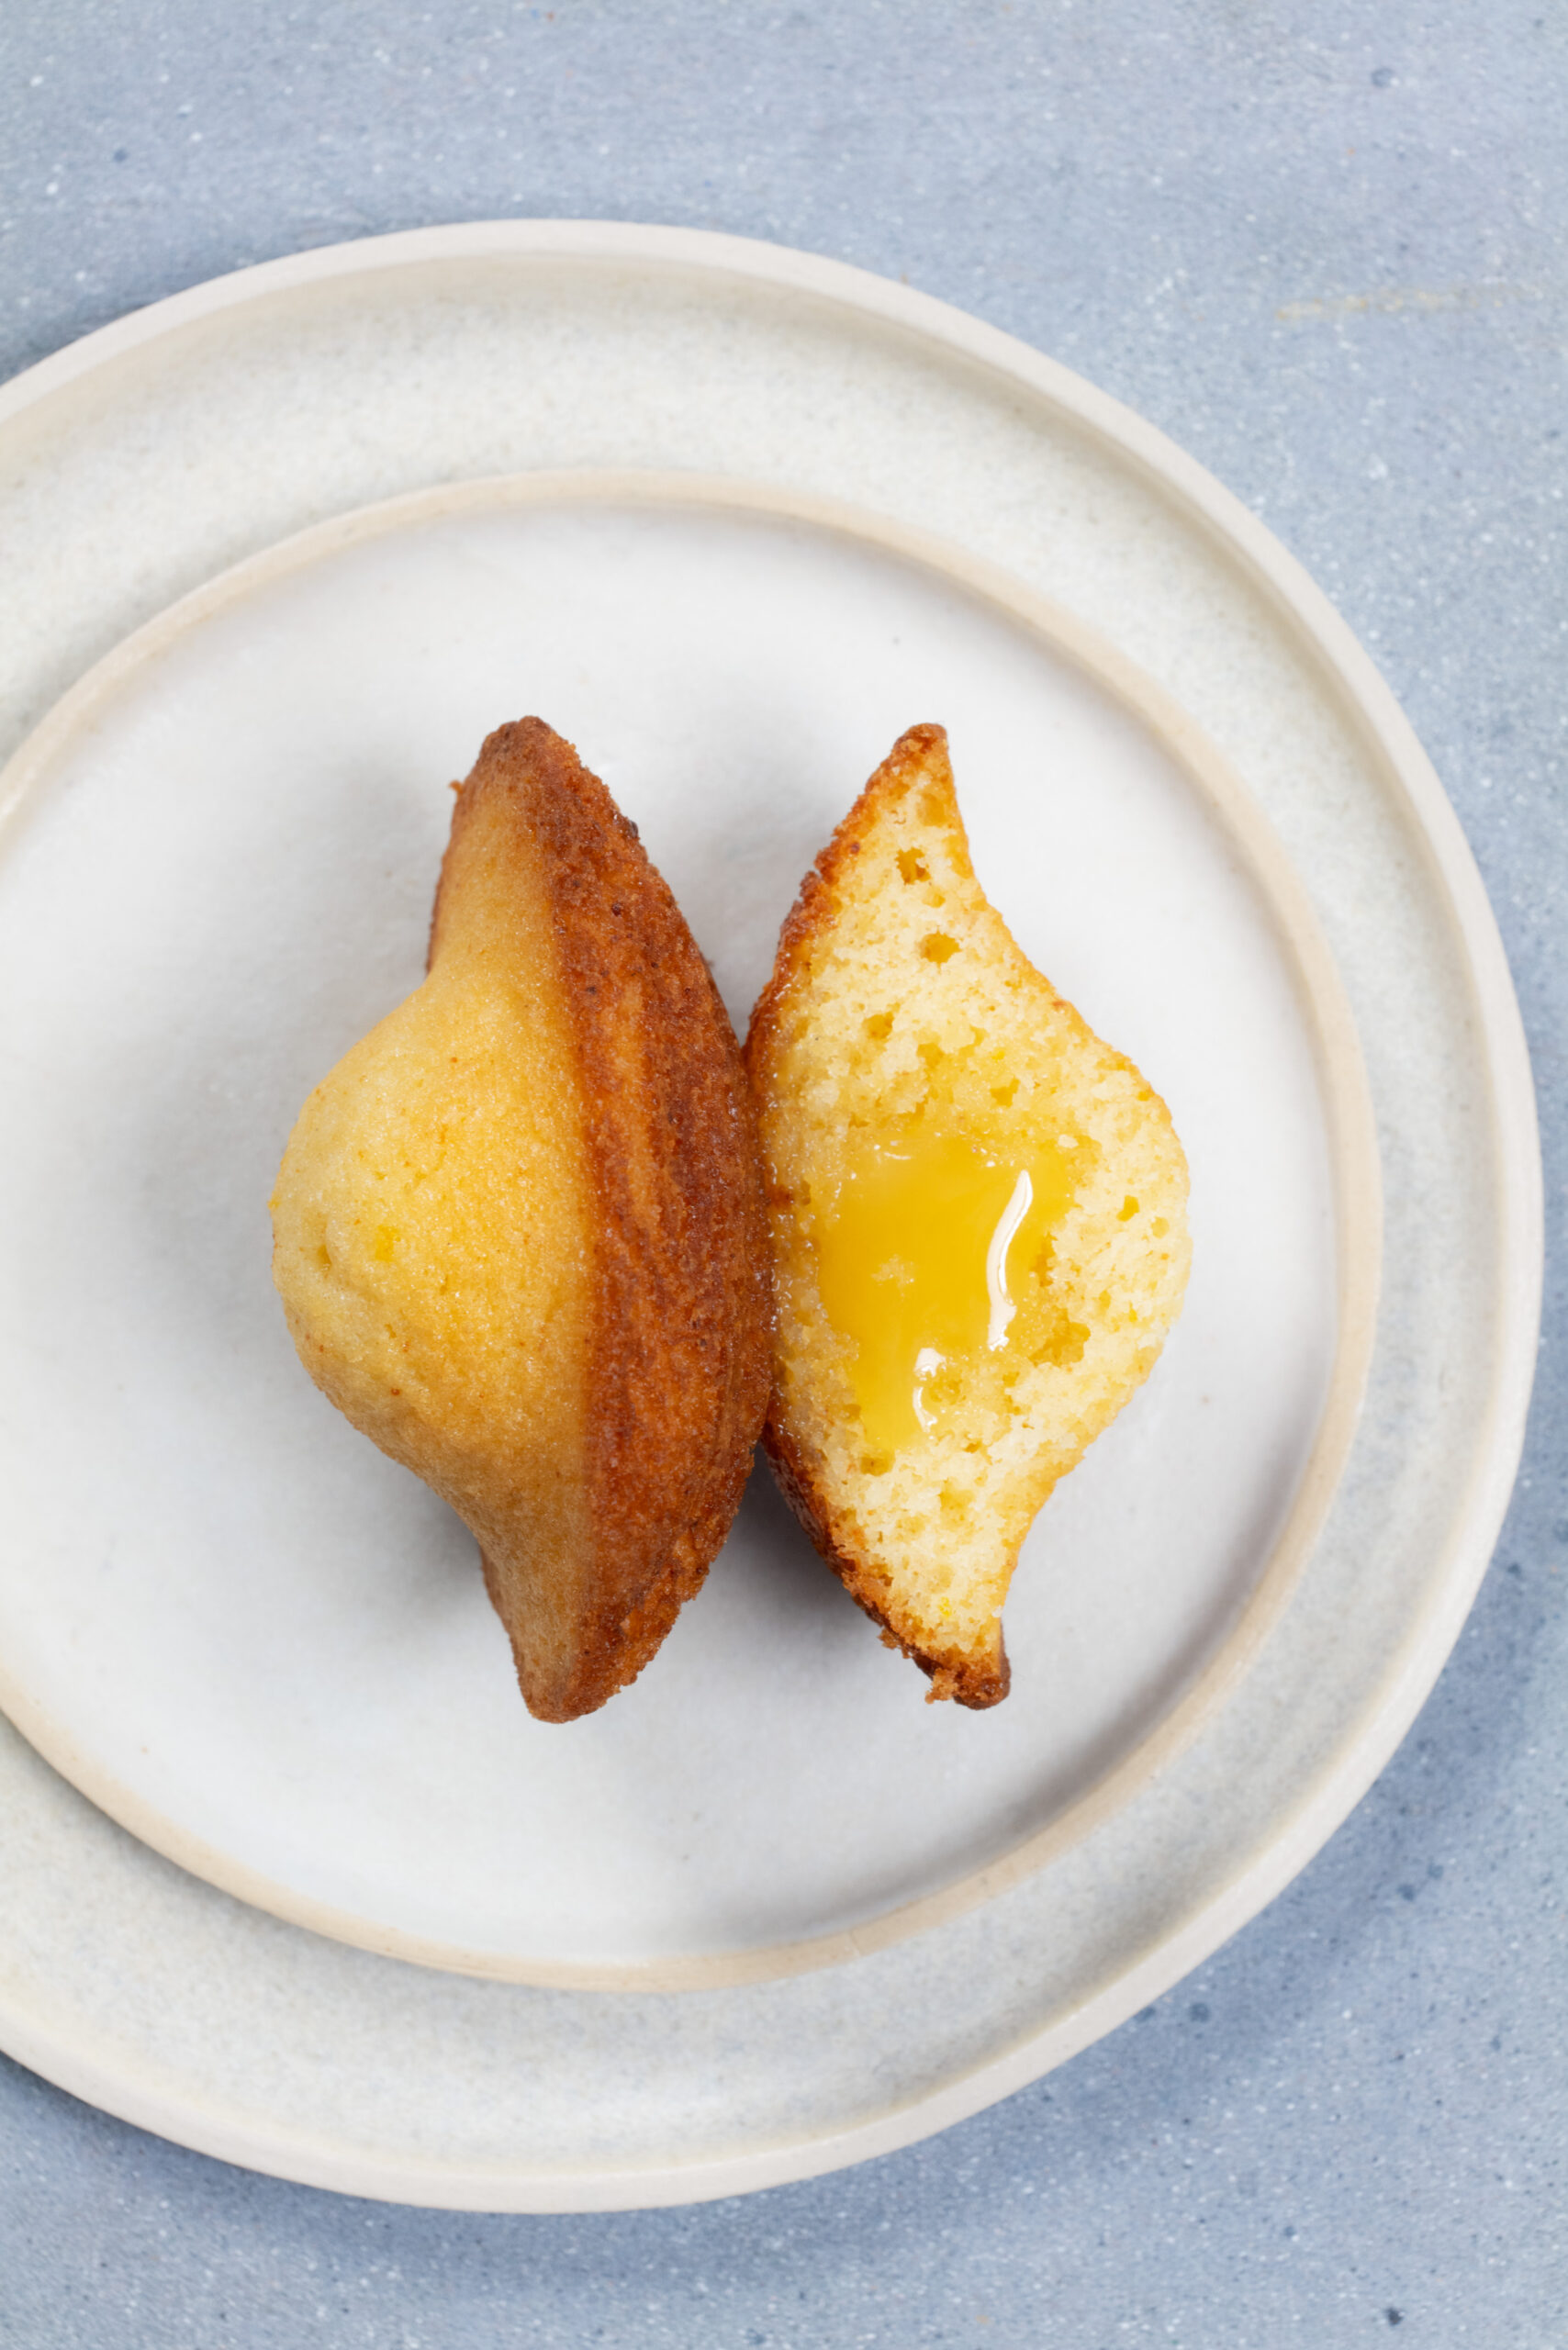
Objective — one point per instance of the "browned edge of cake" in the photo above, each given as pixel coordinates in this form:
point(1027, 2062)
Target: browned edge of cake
point(680, 1317)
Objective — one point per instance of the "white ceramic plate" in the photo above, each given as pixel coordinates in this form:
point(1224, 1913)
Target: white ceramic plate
point(267, 1650)
point(260, 1647)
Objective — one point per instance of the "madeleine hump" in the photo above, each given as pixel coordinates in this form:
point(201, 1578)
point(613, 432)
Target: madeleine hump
point(979, 1222)
point(519, 1234)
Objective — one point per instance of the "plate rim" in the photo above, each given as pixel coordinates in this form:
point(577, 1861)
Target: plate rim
point(124, 2084)
point(1347, 1118)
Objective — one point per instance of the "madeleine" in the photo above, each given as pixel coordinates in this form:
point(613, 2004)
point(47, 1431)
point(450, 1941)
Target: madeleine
point(978, 1221)
point(518, 1231)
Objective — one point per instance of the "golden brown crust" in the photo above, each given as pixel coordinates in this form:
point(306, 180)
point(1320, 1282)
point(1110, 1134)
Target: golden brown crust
point(679, 1362)
point(974, 1682)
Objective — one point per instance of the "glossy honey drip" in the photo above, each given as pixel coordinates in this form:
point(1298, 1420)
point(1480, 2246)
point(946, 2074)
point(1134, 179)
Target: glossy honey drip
point(902, 1266)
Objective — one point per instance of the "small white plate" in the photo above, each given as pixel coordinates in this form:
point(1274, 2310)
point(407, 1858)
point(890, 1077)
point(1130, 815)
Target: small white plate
point(768, 1911)
point(269, 1651)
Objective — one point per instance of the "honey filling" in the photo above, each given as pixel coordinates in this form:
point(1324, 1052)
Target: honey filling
point(919, 1260)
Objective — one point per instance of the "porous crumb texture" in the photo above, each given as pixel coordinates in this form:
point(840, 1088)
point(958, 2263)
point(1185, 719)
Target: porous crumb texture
point(900, 1004)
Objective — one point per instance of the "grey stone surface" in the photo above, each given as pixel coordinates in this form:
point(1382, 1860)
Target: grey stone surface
point(1326, 246)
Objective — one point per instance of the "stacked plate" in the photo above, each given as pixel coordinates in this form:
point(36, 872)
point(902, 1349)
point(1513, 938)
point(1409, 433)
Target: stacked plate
point(288, 1874)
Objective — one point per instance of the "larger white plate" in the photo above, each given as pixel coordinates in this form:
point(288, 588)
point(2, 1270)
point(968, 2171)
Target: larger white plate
point(257, 1645)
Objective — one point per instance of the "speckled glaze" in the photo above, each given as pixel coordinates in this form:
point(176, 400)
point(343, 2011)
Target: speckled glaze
point(255, 408)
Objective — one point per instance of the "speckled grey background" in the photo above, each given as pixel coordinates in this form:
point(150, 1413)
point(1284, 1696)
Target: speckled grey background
point(1326, 246)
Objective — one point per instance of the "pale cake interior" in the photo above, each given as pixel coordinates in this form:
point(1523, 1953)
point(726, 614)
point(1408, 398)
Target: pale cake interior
point(918, 1067)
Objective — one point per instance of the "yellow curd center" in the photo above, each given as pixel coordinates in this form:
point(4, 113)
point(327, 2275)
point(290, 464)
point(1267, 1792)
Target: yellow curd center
point(917, 1262)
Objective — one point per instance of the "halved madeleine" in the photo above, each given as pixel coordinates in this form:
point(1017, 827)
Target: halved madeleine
point(978, 1221)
